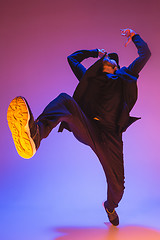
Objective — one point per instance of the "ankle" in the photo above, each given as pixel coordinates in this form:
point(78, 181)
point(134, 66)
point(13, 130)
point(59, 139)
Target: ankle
point(109, 211)
point(108, 208)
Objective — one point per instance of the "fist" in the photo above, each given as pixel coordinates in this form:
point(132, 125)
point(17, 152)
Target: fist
point(129, 33)
point(101, 52)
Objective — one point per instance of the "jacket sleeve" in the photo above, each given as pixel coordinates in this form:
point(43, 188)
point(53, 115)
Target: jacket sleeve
point(144, 54)
point(77, 57)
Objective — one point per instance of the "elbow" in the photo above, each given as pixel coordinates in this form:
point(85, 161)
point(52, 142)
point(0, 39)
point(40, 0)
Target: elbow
point(148, 52)
point(69, 58)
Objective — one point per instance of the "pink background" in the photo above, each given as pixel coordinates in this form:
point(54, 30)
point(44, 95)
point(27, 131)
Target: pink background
point(63, 184)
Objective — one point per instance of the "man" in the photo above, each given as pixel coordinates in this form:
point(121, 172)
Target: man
point(97, 114)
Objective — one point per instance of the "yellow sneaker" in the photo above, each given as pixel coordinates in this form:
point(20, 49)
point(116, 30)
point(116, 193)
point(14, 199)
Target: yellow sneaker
point(23, 128)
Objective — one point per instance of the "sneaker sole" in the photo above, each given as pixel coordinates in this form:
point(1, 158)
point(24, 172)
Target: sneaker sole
point(18, 117)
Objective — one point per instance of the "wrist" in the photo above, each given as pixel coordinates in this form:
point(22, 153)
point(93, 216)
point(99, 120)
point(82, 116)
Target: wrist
point(132, 33)
point(136, 34)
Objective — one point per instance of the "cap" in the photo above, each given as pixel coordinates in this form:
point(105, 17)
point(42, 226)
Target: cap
point(115, 57)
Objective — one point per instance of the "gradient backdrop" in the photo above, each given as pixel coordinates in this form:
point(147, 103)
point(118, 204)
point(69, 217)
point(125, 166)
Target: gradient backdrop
point(63, 185)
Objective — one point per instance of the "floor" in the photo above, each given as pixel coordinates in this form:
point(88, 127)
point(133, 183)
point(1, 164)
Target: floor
point(40, 223)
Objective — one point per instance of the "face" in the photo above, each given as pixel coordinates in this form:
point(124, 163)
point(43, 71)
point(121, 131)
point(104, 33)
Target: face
point(109, 65)
point(109, 62)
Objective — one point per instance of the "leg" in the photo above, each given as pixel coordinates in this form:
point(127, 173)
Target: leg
point(64, 108)
point(110, 153)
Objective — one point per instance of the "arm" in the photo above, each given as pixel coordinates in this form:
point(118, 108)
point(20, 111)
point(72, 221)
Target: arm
point(143, 51)
point(77, 57)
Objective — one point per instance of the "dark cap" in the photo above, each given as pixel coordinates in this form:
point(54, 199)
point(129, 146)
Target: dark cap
point(115, 57)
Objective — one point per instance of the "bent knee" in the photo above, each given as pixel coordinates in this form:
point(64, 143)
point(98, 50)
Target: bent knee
point(64, 96)
point(67, 100)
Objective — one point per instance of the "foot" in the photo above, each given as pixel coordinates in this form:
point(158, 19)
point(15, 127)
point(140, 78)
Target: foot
point(112, 216)
point(25, 131)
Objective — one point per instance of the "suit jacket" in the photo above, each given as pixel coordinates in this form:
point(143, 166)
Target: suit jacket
point(129, 78)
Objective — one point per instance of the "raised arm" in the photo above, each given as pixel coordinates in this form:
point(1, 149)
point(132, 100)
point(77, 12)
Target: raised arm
point(143, 51)
point(77, 57)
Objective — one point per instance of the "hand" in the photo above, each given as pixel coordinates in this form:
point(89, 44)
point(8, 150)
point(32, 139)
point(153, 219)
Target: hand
point(129, 33)
point(101, 52)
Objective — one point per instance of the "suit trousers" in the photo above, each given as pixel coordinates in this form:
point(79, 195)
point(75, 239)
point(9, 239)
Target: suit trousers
point(107, 145)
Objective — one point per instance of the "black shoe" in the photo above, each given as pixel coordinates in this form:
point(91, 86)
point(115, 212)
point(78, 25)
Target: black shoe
point(112, 216)
point(25, 131)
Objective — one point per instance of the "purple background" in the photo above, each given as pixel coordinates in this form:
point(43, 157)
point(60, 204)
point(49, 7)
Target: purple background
point(64, 182)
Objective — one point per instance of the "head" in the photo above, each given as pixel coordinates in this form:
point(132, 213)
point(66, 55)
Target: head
point(111, 63)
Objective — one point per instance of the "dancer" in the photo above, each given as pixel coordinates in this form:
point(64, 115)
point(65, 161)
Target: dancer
point(97, 114)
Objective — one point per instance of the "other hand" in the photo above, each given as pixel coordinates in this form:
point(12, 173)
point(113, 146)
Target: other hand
point(129, 33)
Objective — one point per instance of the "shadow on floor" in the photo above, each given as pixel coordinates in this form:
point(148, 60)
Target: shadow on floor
point(107, 233)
